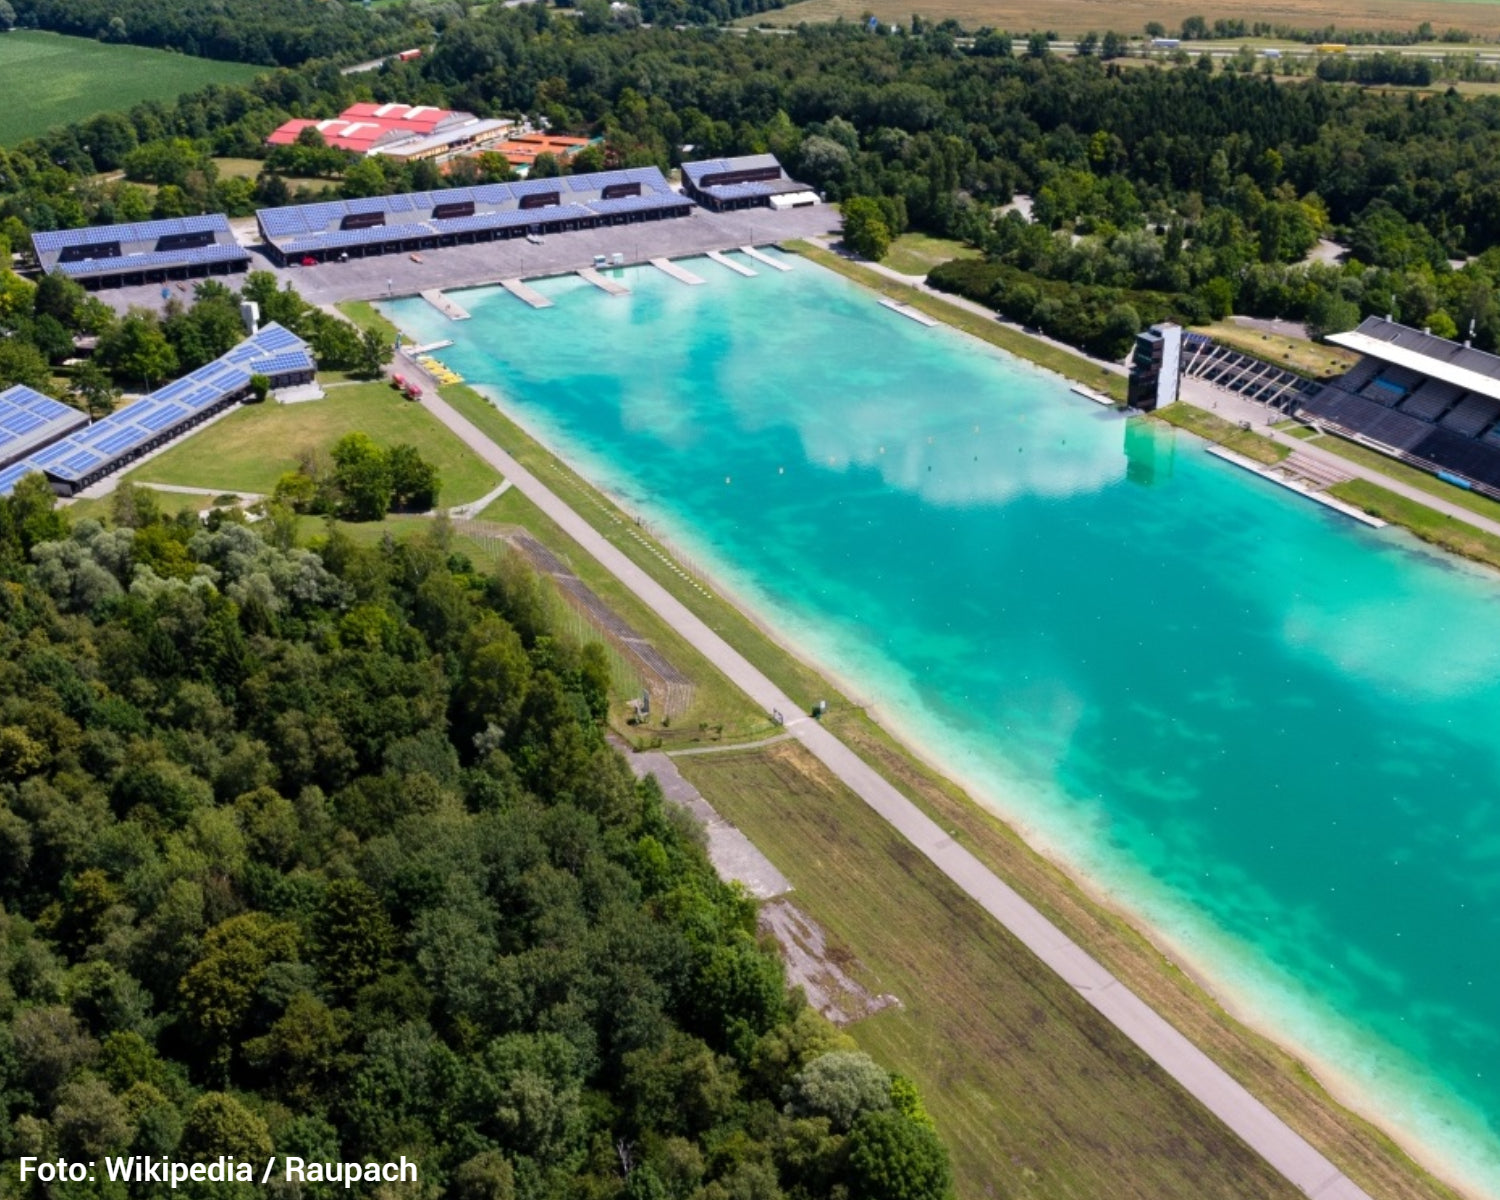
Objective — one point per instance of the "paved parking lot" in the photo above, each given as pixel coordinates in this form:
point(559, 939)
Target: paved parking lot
point(557, 253)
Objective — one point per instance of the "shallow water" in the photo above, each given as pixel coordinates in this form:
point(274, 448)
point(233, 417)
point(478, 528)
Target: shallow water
point(1265, 727)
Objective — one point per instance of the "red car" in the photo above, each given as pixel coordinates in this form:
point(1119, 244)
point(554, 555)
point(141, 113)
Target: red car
point(309, 262)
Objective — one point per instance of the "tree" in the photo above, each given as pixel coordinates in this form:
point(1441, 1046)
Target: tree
point(865, 230)
point(219, 990)
point(137, 349)
point(220, 1125)
point(7, 17)
point(546, 166)
point(362, 477)
point(414, 480)
point(840, 1086)
point(892, 1157)
point(21, 362)
point(374, 352)
point(260, 387)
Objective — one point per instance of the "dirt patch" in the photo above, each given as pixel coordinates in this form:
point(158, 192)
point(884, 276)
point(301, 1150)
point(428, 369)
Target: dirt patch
point(820, 970)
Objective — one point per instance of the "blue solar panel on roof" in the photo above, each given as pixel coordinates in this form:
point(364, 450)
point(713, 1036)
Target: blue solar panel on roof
point(275, 337)
point(22, 421)
point(77, 465)
point(120, 441)
point(137, 232)
point(161, 418)
point(493, 193)
point(13, 475)
point(47, 456)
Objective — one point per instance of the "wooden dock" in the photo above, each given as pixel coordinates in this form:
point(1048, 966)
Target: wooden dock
point(682, 274)
point(603, 284)
point(427, 348)
point(737, 268)
point(760, 257)
point(444, 305)
point(522, 292)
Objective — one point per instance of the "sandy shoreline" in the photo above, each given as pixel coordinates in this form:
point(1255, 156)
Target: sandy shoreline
point(1359, 1097)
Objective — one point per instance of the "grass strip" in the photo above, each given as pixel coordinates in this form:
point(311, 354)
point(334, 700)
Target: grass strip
point(1034, 1093)
point(1440, 529)
point(1402, 472)
point(1054, 358)
point(1225, 433)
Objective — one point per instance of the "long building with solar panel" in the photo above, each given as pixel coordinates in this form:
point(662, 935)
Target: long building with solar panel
point(750, 181)
point(30, 420)
point(460, 216)
point(1424, 399)
point(108, 256)
point(76, 458)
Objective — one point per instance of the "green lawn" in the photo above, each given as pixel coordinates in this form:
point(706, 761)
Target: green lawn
point(1428, 524)
point(1480, 505)
point(1310, 358)
point(918, 253)
point(1065, 362)
point(251, 448)
point(52, 79)
point(1226, 433)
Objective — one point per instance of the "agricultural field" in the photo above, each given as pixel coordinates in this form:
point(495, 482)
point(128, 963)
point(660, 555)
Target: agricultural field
point(53, 80)
point(1070, 18)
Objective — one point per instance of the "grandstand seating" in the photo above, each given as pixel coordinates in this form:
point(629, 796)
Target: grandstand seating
point(1471, 415)
point(1430, 400)
point(423, 220)
point(1438, 424)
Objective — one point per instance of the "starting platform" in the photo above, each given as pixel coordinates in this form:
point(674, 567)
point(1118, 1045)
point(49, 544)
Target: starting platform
point(523, 292)
point(761, 257)
point(737, 268)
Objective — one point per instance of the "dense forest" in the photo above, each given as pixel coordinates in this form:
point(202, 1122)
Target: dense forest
point(322, 852)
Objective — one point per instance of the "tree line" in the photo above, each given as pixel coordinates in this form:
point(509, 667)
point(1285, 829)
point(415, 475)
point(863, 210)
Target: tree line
point(321, 851)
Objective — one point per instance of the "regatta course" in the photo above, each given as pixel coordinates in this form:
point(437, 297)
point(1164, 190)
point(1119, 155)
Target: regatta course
point(1254, 723)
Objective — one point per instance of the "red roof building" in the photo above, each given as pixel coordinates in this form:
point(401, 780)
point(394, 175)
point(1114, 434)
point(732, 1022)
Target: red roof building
point(363, 128)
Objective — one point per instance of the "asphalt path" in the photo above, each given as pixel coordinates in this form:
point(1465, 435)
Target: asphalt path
point(1257, 1125)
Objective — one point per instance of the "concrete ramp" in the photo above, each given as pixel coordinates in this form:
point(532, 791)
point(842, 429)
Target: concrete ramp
point(682, 274)
point(603, 284)
point(737, 268)
point(522, 292)
point(758, 256)
point(444, 305)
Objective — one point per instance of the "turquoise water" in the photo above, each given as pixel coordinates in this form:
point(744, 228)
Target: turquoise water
point(1265, 727)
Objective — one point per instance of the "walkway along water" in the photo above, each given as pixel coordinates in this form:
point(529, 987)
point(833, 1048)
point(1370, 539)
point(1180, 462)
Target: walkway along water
point(1260, 1128)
